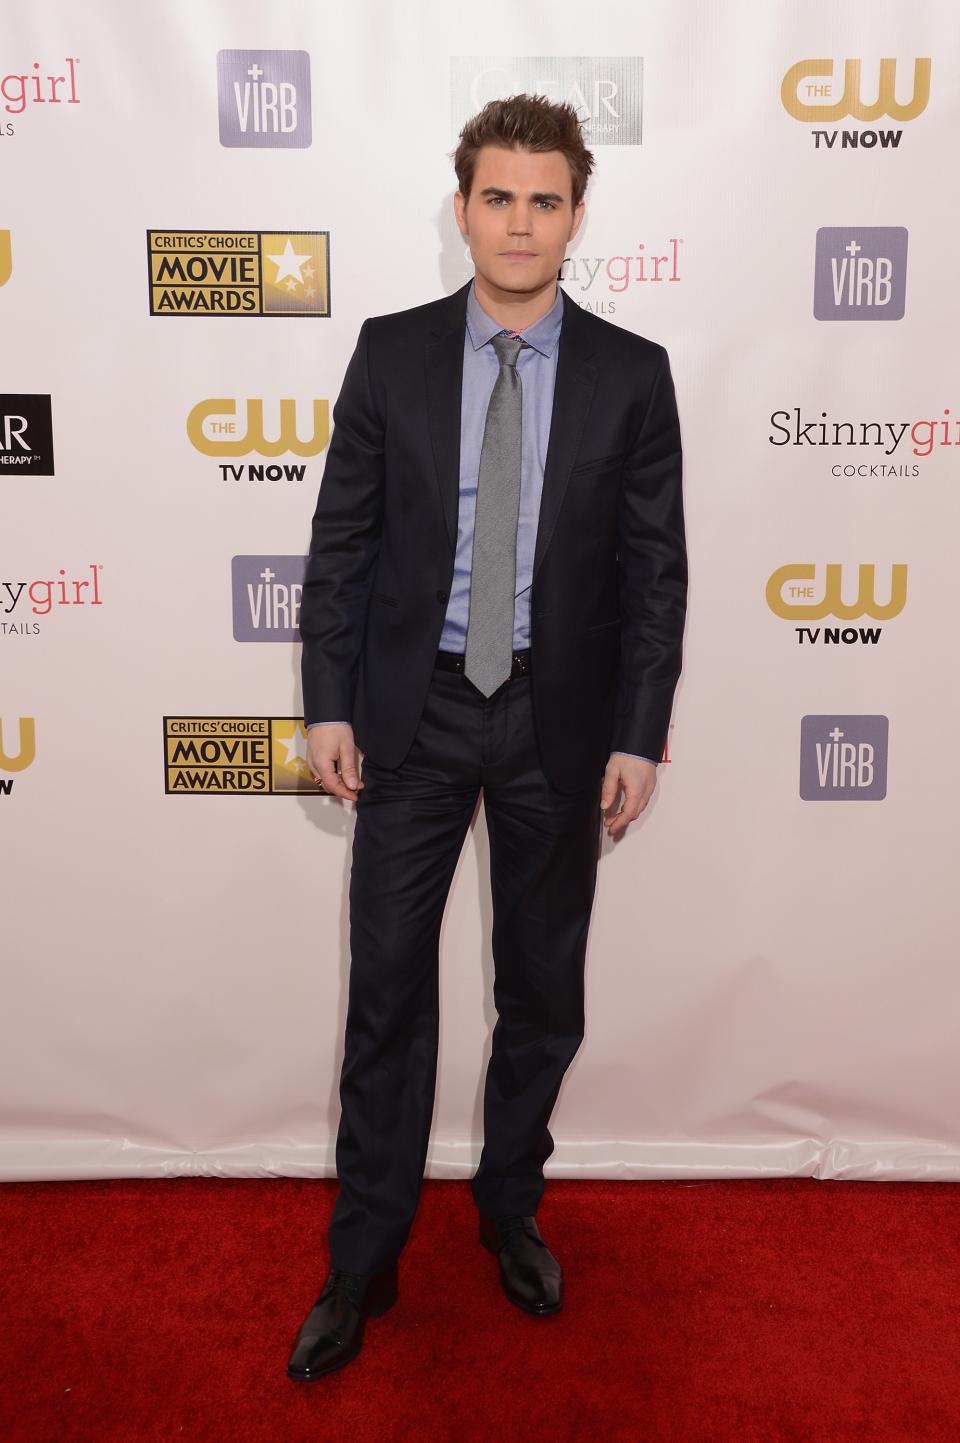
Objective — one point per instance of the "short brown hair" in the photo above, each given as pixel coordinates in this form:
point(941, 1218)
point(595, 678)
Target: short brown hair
point(525, 122)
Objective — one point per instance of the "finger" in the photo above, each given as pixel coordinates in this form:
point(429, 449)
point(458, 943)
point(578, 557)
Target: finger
point(610, 818)
point(332, 781)
point(628, 813)
point(619, 823)
point(349, 770)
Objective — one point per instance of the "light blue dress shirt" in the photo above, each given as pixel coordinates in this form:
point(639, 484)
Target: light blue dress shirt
point(537, 368)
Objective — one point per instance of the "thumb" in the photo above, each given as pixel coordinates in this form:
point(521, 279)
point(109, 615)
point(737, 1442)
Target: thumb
point(611, 785)
point(348, 764)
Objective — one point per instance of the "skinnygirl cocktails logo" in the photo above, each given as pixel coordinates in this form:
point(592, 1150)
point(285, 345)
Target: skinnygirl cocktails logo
point(596, 282)
point(23, 602)
point(869, 448)
point(23, 91)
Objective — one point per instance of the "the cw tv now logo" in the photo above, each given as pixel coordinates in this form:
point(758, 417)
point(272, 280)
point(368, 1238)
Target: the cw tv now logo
point(793, 592)
point(809, 93)
point(223, 426)
point(23, 757)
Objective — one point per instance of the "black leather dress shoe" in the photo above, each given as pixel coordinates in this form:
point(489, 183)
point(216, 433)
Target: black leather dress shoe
point(332, 1334)
point(530, 1275)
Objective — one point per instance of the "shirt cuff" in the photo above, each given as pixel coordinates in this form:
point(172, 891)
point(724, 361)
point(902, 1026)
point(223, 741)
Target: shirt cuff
point(635, 754)
point(308, 725)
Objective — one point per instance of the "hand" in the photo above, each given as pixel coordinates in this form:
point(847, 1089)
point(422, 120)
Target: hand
point(327, 744)
point(637, 778)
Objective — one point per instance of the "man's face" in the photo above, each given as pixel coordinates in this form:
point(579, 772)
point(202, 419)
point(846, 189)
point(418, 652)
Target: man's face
point(519, 217)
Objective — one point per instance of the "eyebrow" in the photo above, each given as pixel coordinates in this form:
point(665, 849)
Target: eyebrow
point(509, 194)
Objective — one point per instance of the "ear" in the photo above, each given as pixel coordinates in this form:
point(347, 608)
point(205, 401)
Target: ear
point(460, 212)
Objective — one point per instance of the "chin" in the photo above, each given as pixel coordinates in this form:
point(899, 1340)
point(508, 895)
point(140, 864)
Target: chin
point(514, 279)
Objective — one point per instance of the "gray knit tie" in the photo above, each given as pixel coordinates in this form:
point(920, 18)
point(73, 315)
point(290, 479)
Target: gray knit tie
point(493, 576)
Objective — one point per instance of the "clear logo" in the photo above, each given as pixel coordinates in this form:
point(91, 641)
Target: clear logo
point(605, 90)
point(26, 435)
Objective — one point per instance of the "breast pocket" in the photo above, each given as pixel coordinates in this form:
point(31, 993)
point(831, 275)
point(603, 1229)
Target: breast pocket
point(610, 462)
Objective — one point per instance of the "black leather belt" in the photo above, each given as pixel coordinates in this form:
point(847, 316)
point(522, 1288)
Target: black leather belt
point(453, 661)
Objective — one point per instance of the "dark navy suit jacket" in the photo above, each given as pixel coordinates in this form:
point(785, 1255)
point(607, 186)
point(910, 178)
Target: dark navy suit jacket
point(610, 568)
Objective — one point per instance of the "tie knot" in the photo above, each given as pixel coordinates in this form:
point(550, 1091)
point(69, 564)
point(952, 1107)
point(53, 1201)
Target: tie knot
point(507, 348)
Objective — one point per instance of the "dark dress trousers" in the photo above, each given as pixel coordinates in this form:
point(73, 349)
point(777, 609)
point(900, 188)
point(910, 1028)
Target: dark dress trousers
point(608, 601)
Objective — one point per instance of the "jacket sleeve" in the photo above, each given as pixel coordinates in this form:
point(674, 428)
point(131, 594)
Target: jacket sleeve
point(344, 545)
point(651, 575)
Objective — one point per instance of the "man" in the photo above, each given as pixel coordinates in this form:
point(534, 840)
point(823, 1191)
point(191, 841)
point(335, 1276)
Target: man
point(494, 601)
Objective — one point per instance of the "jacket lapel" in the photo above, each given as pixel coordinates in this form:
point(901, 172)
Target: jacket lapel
point(444, 360)
point(573, 391)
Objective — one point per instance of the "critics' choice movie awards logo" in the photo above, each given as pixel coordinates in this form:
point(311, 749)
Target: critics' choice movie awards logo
point(893, 439)
point(24, 736)
point(266, 597)
point(6, 257)
point(605, 91)
point(21, 602)
point(860, 273)
point(23, 92)
point(223, 426)
point(843, 758)
point(812, 92)
point(264, 98)
point(247, 756)
point(239, 273)
point(26, 436)
point(794, 593)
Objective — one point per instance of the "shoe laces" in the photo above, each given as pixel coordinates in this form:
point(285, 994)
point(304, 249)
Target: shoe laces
point(515, 1223)
point(348, 1284)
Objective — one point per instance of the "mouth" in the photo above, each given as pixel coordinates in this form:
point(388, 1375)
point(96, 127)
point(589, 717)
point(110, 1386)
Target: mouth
point(518, 255)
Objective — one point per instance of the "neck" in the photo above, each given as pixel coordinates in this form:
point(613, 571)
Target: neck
point(513, 310)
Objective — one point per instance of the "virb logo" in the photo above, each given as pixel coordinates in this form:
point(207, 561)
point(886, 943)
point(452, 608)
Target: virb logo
point(264, 99)
point(860, 273)
point(843, 758)
point(266, 597)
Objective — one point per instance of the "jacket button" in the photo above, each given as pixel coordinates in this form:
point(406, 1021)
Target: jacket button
point(441, 596)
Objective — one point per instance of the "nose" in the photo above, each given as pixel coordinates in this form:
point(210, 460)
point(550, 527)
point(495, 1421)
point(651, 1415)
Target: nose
point(520, 219)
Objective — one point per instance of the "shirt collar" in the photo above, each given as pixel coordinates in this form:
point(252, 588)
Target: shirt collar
point(543, 335)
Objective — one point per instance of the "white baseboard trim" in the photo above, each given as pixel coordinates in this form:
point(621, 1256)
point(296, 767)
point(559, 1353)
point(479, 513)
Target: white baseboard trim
point(908, 1160)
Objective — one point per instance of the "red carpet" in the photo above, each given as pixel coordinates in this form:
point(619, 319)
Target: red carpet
point(707, 1311)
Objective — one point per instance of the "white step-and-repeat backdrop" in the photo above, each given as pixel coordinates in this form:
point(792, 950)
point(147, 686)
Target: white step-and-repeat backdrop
point(200, 204)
